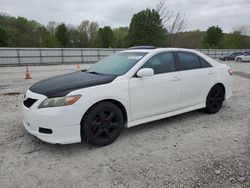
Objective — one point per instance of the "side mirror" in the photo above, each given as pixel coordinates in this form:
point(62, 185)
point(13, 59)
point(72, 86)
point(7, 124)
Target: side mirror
point(144, 72)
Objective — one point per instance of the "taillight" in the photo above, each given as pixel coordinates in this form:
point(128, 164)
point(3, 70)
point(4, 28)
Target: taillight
point(230, 71)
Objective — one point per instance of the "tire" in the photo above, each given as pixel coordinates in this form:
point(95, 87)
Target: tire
point(102, 124)
point(239, 59)
point(214, 99)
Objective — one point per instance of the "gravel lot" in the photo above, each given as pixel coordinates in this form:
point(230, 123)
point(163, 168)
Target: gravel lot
point(190, 150)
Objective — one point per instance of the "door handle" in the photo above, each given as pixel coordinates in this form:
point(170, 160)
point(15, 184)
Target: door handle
point(210, 73)
point(176, 78)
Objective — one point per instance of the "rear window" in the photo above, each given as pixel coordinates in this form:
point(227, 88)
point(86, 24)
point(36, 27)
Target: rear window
point(204, 63)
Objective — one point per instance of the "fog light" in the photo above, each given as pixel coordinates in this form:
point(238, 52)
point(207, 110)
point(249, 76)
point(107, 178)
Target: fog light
point(45, 131)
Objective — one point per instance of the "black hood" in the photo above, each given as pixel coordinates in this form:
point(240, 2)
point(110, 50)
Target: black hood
point(61, 85)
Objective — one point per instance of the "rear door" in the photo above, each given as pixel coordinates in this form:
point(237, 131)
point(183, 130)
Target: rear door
point(197, 75)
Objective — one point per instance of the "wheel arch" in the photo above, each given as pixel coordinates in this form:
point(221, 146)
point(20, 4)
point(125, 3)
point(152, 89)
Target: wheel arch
point(222, 86)
point(116, 102)
point(239, 58)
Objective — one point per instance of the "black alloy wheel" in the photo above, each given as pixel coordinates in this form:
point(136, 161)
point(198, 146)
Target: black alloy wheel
point(215, 99)
point(102, 124)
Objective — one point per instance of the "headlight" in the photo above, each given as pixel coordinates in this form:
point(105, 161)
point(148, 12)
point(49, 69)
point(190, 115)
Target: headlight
point(59, 101)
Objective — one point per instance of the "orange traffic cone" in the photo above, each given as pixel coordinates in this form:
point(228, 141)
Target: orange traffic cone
point(27, 77)
point(78, 67)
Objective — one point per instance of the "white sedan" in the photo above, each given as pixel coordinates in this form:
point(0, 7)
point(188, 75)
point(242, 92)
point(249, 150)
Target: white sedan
point(132, 87)
point(243, 58)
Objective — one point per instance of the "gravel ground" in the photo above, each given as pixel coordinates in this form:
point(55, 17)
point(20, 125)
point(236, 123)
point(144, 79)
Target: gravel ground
point(189, 150)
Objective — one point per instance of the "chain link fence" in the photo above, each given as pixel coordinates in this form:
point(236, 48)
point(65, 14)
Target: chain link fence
point(43, 56)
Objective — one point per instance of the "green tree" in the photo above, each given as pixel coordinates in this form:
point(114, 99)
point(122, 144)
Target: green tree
point(62, 35)
point(146, 29)
point(189, 39)
point(83, 33)
point(4, 38)
point(50, 42)
point(239, 38)
point(93, 34)
point(214, 37)
point(50, 39)
point(87, 33)
point(120, 37)
point(106, 37)
point(22, 32)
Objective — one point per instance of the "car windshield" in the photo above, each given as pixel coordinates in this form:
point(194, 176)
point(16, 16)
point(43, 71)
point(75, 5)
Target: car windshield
point(117, 64)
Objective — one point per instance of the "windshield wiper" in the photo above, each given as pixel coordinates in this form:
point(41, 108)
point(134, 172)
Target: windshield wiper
point(93, 72)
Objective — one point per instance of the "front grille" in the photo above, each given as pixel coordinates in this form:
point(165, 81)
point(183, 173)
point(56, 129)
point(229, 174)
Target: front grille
point(29, 102)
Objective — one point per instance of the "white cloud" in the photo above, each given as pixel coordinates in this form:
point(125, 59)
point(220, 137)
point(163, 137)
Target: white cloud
point(200, 13)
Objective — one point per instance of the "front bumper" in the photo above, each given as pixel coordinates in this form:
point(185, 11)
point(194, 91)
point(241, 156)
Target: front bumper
point(64, 135)
point(64, 122)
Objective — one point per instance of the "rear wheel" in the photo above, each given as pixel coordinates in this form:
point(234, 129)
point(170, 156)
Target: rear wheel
point(214, 99)
point(102, 124)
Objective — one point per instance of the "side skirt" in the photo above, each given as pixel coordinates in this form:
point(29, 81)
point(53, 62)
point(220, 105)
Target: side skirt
point(165, 115)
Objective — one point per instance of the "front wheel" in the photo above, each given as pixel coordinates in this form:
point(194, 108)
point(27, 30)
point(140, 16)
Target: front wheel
point(214, 99)
point(102, 124)
point(239, 59)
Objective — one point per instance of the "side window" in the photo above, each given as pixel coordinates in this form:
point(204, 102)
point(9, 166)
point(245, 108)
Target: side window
point(188, 61)
point(204, 63)
point(161, 63)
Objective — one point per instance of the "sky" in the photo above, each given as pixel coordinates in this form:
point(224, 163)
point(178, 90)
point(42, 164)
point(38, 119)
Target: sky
point(200, 14)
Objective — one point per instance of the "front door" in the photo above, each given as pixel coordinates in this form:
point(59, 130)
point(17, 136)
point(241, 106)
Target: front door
point(159, 93)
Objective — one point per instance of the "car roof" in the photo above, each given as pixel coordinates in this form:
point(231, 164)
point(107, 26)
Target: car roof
point(159, 50)
point(142, 47)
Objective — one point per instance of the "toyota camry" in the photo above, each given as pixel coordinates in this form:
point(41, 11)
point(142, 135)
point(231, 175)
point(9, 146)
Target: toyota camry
point(128, 88)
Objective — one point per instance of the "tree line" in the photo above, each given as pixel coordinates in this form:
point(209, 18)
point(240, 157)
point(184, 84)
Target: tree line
point(159, 27)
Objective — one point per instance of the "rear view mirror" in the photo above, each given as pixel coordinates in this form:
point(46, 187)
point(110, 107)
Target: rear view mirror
point(145, 72)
